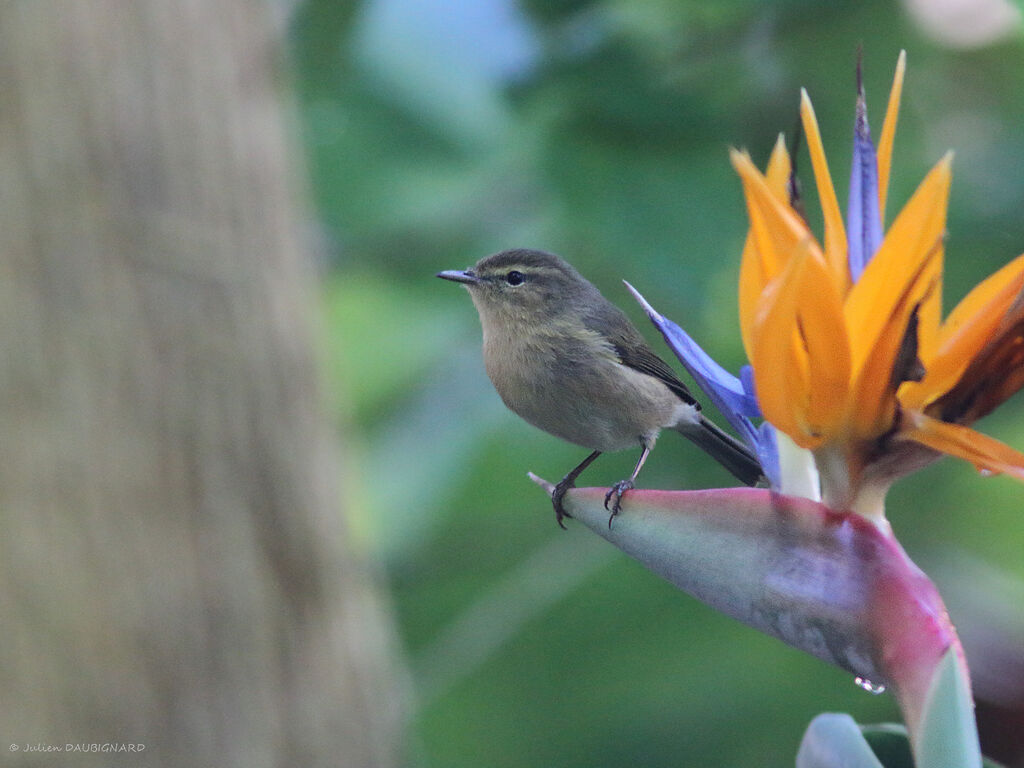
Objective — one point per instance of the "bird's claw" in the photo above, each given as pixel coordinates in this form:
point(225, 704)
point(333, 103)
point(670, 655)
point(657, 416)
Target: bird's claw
point(616, 490)
point(556, 500)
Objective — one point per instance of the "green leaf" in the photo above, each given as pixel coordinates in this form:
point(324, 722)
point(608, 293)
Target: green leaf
point(892, 746)
point(948, 736)
point(833, 740)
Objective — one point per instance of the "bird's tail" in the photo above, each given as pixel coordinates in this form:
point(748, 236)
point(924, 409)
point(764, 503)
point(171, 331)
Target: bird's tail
point(725, 449)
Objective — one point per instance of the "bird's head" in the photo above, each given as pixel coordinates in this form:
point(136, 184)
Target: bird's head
point(523, 286)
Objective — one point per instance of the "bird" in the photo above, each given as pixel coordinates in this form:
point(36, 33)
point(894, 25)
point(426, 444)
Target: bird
point(569, 362)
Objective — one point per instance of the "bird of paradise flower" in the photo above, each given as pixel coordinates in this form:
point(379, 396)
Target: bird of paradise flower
point(849, 358)
point(856, 381)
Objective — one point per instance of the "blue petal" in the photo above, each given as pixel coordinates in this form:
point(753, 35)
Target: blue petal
point(863, 218)
point(767, 445)
point(727, 392)
point(747, 380)
point(768, 453)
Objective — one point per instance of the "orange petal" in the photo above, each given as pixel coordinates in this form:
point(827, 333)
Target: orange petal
point(821, 327)
point(888, 136)
point(901, 263)
point(835, 231)
point(985, 453)
point(779, 167)
point(900, 277)
point(751, 287)
point(775, 227)
point(801, 357)
point(993, 294)
point(995, 373)
point(969, 327)
point(930, 314)
point(875, 383)
point(780, 366)
point(752, 273)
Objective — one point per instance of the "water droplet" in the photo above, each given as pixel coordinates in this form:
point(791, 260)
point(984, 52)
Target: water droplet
point(868, 686)
point(985, 472)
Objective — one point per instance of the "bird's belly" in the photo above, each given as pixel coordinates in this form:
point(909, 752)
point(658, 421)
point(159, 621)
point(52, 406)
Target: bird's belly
point(591, 401)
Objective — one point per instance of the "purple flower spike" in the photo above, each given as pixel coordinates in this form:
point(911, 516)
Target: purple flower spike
point(747, 380)
point(768, 454)
point(733, 397)
point(717, 382)
point(863, 218)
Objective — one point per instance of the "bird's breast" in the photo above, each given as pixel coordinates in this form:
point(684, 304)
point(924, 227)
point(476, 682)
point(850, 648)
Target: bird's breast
point(573, 386)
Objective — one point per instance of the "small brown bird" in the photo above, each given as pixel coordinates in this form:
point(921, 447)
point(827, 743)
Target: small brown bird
point(571, 363)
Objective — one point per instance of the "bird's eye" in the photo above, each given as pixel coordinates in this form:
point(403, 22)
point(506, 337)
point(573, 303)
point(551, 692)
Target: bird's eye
point(514, 278)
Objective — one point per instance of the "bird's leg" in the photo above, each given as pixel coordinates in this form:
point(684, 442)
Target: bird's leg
point(624, 485)
point(567, 482)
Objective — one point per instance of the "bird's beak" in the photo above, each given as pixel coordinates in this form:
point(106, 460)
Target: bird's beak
point(459, 276)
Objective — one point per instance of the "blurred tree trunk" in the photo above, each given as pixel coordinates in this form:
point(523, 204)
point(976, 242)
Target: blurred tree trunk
point(174, 567)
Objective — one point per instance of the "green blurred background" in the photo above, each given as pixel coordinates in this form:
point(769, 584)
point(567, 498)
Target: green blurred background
point(438, 131)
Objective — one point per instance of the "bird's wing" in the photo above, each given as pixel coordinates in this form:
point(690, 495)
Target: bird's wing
point(632, 350)
point(644, 360)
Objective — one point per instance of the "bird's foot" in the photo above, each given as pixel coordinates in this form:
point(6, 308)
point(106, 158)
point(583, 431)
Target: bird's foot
point(616, 491)
point(557, 495)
